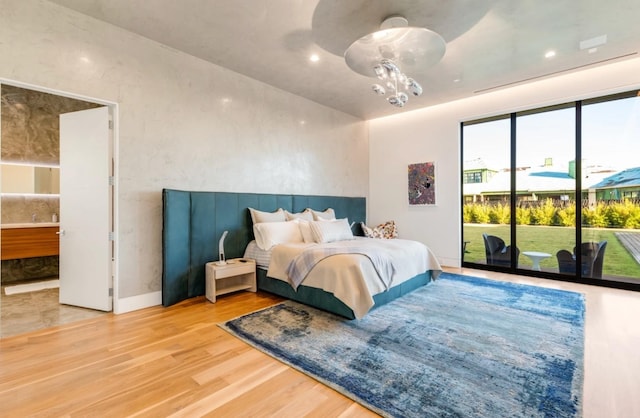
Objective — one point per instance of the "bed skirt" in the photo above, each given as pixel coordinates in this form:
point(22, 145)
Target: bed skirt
point(326, 301)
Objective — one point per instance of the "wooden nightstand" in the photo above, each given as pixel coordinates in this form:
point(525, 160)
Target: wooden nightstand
point(231, 277)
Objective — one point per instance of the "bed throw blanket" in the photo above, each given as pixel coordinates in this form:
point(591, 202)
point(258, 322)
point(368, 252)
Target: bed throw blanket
point(300, 266)
point(351, 278)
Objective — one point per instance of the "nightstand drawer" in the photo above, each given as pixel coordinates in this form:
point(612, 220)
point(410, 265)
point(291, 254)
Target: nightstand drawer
point(230, 277)
point(234, 269)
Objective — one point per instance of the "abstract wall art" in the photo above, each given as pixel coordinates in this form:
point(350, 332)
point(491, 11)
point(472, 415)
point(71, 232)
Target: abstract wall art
point(422, 184)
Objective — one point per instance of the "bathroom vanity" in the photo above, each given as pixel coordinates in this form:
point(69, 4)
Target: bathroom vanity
point(28, 240)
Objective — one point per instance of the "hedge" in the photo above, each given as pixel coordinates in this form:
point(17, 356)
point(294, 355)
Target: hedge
point(604, 215)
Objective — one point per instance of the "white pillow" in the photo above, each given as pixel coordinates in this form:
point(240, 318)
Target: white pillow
point(258, 216)
point(305, 230)
point(268, 234)
point(328, 214)
point(306, 215)
point(330, 231)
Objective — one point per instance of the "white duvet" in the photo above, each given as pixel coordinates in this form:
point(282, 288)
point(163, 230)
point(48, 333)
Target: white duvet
point(352, 277)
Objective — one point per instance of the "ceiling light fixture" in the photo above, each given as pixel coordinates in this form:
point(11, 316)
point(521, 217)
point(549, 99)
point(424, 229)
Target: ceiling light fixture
point(314, 58)
point(593, 42)
point(396, 45)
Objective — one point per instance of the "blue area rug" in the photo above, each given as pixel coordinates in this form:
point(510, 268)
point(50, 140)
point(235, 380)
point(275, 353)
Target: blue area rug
point(460, 347)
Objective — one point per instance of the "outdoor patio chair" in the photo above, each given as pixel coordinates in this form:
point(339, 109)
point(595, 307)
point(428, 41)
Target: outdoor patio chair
point(497, 252)
point(592, 254)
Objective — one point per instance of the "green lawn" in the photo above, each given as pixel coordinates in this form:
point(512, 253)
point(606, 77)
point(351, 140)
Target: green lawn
point(551, 239)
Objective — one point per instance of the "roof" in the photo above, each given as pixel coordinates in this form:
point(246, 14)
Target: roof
point(540, 179)
point(475, 164)
point(626, 178)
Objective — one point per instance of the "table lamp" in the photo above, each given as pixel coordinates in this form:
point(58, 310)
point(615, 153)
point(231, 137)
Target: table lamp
point(222, 261)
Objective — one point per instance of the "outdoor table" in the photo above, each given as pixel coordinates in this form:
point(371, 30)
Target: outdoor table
point(536, 257)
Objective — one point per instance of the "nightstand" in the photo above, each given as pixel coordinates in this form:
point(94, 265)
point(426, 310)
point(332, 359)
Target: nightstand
point(231, 277)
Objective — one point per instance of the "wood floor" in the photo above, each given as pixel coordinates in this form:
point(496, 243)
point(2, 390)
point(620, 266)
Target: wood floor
point(176, 361)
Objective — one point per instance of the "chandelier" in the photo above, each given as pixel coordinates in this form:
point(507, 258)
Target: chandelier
point(396, 45)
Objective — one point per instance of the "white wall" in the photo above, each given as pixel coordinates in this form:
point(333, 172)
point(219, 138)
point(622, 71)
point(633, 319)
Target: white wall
point(183, 123)
point(433, 134)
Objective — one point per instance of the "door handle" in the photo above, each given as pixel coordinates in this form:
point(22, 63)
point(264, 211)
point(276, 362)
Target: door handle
point(60, 232)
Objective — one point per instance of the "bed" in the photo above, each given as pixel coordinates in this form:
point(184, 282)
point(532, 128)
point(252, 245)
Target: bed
point(194, 221)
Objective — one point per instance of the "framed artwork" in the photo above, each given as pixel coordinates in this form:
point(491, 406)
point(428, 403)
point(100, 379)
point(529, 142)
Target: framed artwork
point(422, 184)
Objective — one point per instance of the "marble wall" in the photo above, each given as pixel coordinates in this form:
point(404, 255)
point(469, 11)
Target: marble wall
point(17, 209)
point(182, 123)
point(30, 128)
point(25, 269)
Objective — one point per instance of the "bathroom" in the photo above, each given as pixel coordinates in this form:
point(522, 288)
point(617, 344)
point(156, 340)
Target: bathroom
point(30, 208)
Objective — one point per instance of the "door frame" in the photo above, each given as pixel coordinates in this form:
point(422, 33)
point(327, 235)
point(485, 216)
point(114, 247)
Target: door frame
point(115, 140)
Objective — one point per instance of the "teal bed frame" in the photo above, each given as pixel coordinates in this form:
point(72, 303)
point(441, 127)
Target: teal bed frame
point(194, 221)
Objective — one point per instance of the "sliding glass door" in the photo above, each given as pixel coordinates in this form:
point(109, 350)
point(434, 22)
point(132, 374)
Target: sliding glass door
point(545, 185)
point(610, 204)
point(486, 184)
point(555, 192)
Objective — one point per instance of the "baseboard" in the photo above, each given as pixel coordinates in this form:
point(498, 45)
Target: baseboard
point(449, 262)
point(135, 303)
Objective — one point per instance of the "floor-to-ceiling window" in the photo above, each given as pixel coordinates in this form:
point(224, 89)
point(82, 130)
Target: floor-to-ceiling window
point(555, 192)
point(611, 187)
point(545, 185)
point(486, 210)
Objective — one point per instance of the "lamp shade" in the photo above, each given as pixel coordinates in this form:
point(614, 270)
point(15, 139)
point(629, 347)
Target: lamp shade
point(413, 49)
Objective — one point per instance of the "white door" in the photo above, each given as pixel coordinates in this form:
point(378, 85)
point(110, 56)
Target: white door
point(85, 209)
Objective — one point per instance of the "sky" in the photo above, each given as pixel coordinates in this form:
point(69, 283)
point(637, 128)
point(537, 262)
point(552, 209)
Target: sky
point(610, 137)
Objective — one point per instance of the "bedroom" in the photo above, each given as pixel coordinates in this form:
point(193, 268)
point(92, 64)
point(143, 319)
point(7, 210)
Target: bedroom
point(185, 123)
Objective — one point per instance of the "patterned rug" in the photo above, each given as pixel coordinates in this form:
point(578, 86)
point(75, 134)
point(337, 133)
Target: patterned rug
point(460, 347)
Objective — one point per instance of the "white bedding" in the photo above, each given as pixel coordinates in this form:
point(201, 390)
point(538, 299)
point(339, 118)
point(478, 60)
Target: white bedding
point(352, 277)
point(262, 257)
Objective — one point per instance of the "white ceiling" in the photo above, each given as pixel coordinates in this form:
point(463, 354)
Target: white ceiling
point(490, 43)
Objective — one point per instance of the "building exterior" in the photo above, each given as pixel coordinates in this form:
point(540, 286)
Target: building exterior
point(549, 181)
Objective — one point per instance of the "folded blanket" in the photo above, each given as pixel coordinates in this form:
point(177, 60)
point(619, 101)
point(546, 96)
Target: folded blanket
point(300, 266)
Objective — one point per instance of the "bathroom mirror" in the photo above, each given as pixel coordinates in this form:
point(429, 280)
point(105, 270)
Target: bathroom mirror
point(17, 178)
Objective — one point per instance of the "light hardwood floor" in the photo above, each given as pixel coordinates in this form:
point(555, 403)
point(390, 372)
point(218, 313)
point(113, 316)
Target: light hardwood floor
point(177, 362)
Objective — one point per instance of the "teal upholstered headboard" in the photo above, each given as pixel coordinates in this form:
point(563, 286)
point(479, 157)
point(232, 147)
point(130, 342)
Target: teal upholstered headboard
point(193, 223)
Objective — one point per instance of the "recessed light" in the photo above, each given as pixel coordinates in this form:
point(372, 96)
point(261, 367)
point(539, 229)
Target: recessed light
point(314, 58)
point(457, 80)
point(550, 54)
point(593, 42)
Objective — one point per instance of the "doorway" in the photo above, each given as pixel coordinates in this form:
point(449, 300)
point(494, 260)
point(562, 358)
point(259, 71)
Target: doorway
point(30, 138)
